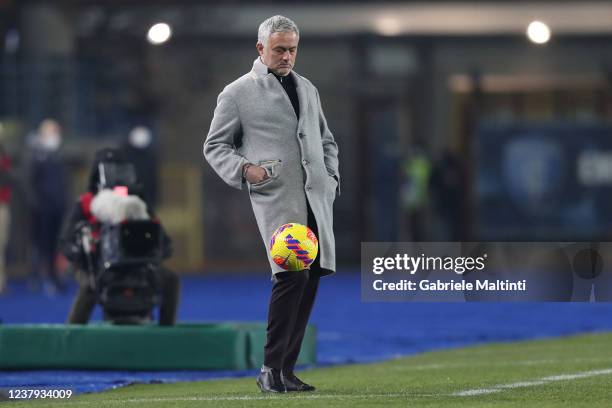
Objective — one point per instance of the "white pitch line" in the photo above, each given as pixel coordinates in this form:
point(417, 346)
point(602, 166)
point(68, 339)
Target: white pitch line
point(466, 393)
point(541, 381)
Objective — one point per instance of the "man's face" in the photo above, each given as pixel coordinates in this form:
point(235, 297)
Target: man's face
point(280, 52)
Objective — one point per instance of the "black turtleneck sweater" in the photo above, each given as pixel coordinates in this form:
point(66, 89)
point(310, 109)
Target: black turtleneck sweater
point(288, 84)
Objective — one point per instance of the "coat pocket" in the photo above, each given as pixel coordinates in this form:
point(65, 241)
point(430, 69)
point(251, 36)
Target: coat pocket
point(272, 168)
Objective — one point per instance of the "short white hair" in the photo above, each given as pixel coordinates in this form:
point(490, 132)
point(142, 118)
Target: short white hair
point(275, 24)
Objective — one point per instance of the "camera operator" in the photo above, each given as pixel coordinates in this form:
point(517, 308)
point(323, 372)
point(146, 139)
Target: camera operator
point(83, 218)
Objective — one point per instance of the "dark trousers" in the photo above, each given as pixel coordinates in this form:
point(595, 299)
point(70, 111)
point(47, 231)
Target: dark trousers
point(291, 302)
point(45, 231)
point(86, 300)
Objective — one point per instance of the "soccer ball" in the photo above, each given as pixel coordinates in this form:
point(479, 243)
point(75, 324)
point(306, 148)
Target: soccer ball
point(294, 247)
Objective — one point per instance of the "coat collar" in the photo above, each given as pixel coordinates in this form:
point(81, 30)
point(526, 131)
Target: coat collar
point(260, 70)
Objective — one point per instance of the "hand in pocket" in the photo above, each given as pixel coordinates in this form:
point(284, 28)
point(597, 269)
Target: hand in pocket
point(255, 174)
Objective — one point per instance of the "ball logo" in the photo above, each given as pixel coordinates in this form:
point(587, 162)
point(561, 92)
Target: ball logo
point(311, 236)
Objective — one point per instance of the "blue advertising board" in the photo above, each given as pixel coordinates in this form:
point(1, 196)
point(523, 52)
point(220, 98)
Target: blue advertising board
point(543, 182)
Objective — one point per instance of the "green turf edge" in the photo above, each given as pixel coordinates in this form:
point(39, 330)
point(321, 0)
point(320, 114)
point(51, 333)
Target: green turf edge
point(425, 380)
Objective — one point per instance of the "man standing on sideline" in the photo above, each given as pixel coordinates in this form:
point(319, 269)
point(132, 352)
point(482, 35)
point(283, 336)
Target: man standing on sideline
point(49, 183)
point(269, 133)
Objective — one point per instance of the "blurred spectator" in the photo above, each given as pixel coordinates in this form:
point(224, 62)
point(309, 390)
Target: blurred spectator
point(446, 192)
point(48, 179)
point(140, 152)
point(6, 181)
point(416, 171)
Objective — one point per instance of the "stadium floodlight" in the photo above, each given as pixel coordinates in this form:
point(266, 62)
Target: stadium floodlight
point(159, 33)
point(387, 26)
point(538, 32)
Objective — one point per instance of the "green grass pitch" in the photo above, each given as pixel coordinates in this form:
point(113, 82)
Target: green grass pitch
point(565, 372)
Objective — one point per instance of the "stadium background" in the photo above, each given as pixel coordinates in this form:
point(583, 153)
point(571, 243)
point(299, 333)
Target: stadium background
point(409, 89)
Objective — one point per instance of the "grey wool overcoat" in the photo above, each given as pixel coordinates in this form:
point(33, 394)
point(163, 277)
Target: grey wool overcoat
point(254, 122)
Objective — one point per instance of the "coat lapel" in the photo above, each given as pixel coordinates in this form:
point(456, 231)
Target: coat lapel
point(300, 87)
point(260, 70)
